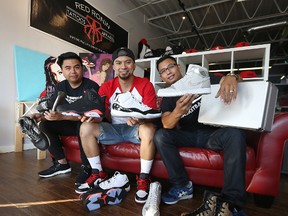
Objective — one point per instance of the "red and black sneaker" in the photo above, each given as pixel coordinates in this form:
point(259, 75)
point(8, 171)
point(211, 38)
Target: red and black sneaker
point(90, 105)
point(95, 178)
point(143, 184)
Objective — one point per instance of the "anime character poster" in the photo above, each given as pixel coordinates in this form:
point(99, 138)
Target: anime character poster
point(97, 67)
point(53, 75)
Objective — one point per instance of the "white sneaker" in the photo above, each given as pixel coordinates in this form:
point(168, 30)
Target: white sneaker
point(118, 180)
point(151, 207)
point(195, 81)
point(126, 105)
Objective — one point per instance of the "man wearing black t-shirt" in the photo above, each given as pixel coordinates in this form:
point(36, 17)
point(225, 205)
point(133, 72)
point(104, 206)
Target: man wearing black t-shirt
point(54, 124)
point(182, 129)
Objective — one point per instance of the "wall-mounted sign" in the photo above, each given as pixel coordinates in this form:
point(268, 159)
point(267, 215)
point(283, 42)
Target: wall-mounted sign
point(79, 23)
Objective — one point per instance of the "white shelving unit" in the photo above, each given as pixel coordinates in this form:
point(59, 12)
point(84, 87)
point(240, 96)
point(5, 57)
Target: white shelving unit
point(239, 59)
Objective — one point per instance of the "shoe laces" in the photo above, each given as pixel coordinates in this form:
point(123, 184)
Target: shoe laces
point(28, 128)
point(222, 209)
point(206, 207)
point(143, 184)
point(92, 178)
point(154, 197)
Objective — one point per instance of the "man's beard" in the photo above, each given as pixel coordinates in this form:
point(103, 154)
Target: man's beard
point(124, 77)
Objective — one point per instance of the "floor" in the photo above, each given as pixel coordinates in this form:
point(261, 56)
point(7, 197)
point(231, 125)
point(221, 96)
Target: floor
point(24, 193)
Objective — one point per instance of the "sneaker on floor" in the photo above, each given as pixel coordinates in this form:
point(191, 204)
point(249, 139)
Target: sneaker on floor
point(208, 207)
point(226, 209)
point(56, 169)
point(118, 180)
point(95, 178)
point(126, 105)
point(176, 194)
point(84, 174)
point(90, 105)
point(96, 198)
point(195, 81)
point(30, 128)
point(143, 182)
point(151, 207)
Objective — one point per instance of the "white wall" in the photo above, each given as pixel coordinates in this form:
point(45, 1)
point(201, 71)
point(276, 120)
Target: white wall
point(15, 30)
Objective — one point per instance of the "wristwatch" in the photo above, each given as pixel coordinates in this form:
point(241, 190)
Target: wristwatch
point(234, 75)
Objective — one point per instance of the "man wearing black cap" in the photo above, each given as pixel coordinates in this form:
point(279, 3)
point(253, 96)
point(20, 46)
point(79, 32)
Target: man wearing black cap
point(122, 129)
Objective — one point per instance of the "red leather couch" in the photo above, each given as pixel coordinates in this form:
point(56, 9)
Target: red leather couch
point(205, 167)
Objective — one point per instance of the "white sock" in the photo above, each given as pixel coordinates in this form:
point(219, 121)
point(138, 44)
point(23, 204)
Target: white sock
point(95, 163)
point(146, 166)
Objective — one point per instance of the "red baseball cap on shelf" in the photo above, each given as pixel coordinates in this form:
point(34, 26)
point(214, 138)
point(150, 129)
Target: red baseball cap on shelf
point(248, 74)
point(242, 44)
point(191, 51)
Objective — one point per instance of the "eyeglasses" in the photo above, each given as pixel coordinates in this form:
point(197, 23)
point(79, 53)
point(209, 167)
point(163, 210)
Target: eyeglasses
point(170, 67)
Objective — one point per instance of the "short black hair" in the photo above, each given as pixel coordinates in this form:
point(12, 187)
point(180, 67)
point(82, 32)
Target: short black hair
point(68, 55)
point(162, 58)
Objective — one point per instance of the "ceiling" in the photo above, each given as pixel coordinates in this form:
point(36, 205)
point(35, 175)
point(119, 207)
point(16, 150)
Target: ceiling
point(211, 23)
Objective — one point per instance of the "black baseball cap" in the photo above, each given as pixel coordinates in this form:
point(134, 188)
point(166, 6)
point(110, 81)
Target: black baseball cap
point(123, 51)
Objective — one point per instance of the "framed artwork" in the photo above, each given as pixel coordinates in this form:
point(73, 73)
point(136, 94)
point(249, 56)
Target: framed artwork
point(30, 76)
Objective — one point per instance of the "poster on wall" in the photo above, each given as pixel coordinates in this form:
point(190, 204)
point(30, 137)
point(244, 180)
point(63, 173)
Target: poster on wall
point(30, 77)
point(97, 67)
point(79, 23)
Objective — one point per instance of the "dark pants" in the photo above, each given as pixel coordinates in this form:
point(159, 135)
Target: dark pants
point(230, 140)
point(54, 129)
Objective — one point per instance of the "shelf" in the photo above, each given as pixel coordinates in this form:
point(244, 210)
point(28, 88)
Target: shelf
point(254, 58)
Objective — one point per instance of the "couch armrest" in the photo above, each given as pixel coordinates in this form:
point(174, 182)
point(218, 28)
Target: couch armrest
point(269, 156)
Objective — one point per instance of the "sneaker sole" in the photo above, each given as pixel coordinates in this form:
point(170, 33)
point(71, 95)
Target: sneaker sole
point(42, 144)
point(56, 173)
point(134, 114)
point(97, 200)
point(182, 198)
point(140, 201)
point(93, 113)
point(175, 93)
point(70, 114)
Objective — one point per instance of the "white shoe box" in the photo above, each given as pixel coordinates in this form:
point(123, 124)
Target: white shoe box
point(254, 107)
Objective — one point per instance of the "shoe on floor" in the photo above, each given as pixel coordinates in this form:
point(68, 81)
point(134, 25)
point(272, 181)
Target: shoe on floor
point(151, 207)
point(111, 191)
point(118, 180)
point(227, 209)
point(195, 81)
point(90, 105)
point(208, 207)
point(96, 197)
point(143, 183)
point(84, 174)
point(94, 179)
point(56, 169)
point(176, 194)
point(126, 105)
point(30, 128)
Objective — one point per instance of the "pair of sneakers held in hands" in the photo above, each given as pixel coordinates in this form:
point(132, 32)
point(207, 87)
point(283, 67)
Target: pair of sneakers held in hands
point(90, 105)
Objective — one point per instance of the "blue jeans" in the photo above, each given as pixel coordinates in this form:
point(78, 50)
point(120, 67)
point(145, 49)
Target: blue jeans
point(116, 133)
point(229, 140)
